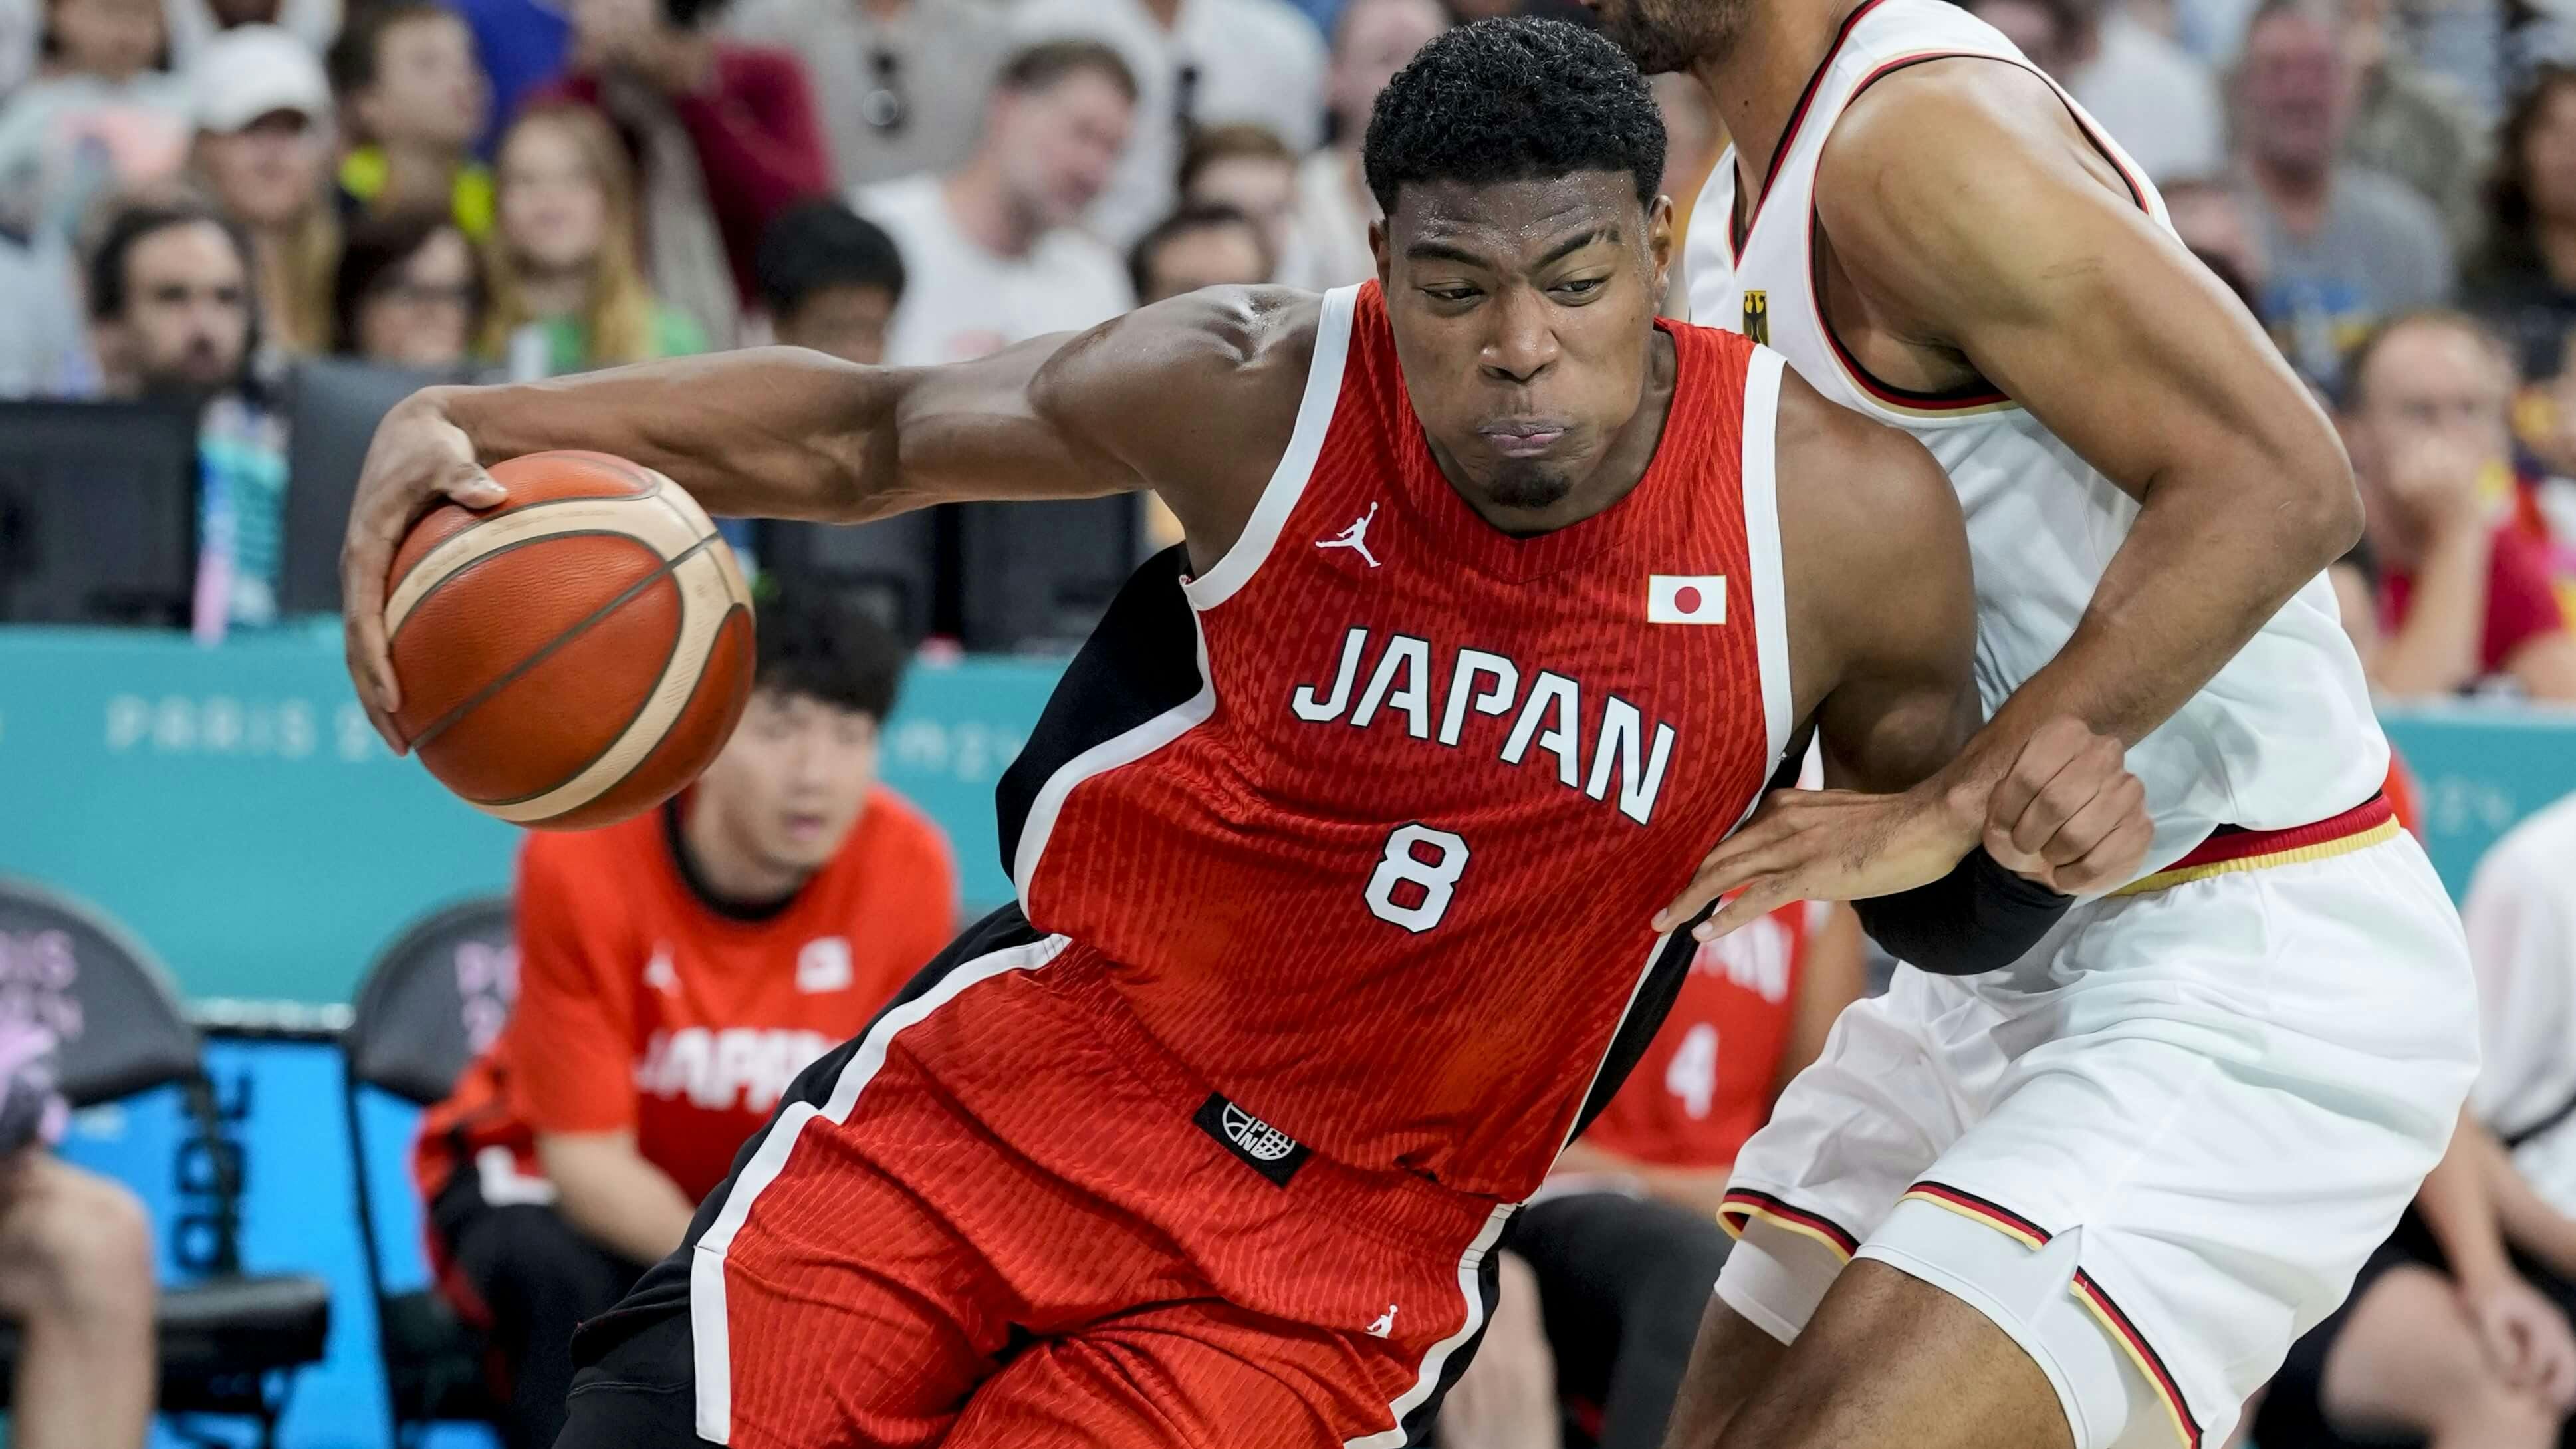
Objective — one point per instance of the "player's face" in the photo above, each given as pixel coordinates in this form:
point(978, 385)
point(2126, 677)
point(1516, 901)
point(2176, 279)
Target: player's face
point(1523, 314)
point(793, 778)
point(1667, 35)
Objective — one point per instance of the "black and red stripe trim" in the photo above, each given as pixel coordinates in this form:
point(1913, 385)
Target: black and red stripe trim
point(1739, 227)
point(1982, 1206)
point(1790, 1212)
point(2167, 1387)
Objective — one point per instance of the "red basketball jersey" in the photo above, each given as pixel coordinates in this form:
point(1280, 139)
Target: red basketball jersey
point(1372, 815)
point(1704, 1085)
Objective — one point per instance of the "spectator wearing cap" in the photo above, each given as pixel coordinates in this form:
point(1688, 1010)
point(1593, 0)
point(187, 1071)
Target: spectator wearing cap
point(408, 293)
point(2345, 245)
point(1199, 246)
point(2463, 594)
point(412, 102)
point(831, 280)
point(103, 116)
point(1372, 40)
point(724, 137)
point(262, 108)
point(910, 76)
point(1200, 63)
point(992, 249)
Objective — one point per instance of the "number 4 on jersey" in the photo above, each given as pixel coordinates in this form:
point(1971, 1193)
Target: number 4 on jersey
point(1418, 909)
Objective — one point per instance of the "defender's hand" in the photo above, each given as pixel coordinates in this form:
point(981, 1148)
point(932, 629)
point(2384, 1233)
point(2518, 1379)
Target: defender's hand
point(1834, 845)
point(2068, 814)
point(2526, 1338)
point(418, 459)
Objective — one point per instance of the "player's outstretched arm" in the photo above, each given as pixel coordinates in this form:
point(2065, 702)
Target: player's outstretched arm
point(1973, 216)
point(1882, 638)
point(1194, 398)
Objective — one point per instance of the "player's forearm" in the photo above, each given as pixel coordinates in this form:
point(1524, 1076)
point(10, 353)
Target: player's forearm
point(616, 1198)
point(770, 432)
point(2206, 564)
point(2435, 651)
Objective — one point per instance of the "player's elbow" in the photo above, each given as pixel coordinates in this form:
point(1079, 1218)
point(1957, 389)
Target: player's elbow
point(2321, 514)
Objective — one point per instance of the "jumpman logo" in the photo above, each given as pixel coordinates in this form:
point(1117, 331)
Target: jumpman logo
point(1385, 1323)
point(1355, 536)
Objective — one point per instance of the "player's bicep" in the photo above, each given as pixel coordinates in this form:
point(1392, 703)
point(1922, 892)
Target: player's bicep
point(1965, 205)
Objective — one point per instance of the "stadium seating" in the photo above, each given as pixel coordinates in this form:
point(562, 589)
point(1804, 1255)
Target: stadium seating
point(431, 1000)
point(231, 1341)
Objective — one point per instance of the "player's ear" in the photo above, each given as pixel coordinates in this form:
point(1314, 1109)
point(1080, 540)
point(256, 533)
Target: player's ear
point(1659, 242)
point(1377, 251)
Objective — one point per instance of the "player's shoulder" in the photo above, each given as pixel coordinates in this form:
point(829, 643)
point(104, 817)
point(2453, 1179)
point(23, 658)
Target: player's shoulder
point(1226, 358)
point(893, 825)
point(1934, 129)
point(1853, 468)
point(2532, 857)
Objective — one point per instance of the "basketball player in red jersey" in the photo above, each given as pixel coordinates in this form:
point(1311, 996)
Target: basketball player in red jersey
point(1339, 845)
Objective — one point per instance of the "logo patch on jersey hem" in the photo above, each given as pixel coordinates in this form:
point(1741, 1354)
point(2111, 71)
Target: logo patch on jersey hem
point(1686, 598)
point(1263, 1148)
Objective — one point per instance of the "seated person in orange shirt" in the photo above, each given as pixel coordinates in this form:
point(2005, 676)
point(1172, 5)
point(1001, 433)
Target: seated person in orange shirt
point(675, 972)
point(1608, 1270)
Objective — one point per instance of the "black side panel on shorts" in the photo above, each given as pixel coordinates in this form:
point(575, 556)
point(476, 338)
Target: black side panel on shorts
point(663, 1292)
point(1141, 662)
point(1645, 1017)
point(1489, 1287)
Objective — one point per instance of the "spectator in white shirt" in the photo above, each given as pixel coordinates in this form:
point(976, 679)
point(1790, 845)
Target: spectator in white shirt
point(2521, 919)
point(903, 82)
point(1371, 42)
point(1196, 63)
point(990, 251)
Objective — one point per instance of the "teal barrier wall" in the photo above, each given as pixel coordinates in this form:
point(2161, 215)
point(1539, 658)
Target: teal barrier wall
point(233, 808)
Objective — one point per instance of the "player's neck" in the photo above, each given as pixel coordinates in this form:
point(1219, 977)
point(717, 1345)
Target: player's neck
point(1755, 82)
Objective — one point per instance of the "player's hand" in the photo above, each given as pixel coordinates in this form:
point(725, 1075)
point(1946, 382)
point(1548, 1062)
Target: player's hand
point(2526, 1337)
point(2442, 481)
point(417, 459)
point(2069, 815)
point(1833, 845)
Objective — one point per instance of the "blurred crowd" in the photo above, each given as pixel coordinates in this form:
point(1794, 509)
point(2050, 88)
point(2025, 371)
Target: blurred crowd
point(196, 193)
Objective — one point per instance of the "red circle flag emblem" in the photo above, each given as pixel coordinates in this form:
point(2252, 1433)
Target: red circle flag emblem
point(1686, 598)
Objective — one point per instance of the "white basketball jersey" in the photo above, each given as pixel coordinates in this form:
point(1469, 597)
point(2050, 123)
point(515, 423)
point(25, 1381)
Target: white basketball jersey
point(2283, 735)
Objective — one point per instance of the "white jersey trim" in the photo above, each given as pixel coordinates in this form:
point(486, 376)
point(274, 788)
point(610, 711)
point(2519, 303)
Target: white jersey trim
point(710, 1346)
point(1100, 759)
point(1762, 543)
point(1426, 1381)
point(1305, 444)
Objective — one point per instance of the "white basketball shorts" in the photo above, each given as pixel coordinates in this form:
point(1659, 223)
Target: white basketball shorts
point(2155, 1151)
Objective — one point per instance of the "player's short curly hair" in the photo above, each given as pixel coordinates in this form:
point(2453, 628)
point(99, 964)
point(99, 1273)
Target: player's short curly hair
point(1514, 100)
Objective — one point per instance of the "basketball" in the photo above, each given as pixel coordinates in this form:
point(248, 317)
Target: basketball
point(575, 656)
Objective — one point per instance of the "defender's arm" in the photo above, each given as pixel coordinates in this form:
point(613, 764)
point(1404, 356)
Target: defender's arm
point(1968, 211)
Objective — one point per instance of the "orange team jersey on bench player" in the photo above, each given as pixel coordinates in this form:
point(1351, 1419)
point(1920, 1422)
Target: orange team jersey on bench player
point(645, 1006)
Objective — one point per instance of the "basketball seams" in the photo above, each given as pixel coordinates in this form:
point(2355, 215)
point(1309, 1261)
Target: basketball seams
point(666, 534)
point(700, 626)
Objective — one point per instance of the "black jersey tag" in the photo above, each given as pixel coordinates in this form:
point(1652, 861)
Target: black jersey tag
point(1264, 1148)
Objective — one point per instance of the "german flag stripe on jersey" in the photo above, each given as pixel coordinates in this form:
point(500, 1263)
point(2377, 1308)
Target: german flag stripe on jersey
point(1993, 1214)
point(2227, 851)
point(2031, 1235)
point(2140, 1352)
point(1742, 1205)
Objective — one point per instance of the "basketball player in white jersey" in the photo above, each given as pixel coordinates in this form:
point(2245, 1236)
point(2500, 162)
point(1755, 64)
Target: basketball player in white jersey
point(2091, 1198)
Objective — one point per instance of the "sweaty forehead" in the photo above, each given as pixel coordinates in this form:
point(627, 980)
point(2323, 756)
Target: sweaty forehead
point(1512, 220)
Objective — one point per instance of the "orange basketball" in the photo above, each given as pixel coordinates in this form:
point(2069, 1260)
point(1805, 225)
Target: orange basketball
point(575, 656)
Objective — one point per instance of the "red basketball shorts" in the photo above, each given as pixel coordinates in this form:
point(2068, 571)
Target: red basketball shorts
point(1003, 1215)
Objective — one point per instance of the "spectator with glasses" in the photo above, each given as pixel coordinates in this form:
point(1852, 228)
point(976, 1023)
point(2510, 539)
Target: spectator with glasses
point(910, 77)
point(1199, 63)
point(408, 293)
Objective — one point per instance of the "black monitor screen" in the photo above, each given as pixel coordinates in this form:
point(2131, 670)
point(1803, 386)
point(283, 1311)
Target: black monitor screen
point(333, 406)
point(98, 513)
